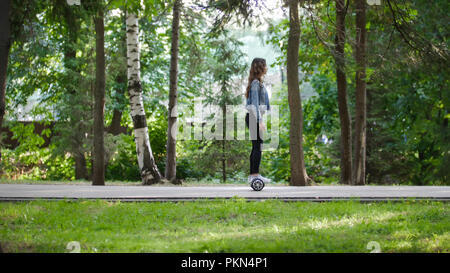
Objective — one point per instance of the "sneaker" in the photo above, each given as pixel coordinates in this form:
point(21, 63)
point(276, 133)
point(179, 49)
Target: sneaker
point(251, 177)
point(264, 179)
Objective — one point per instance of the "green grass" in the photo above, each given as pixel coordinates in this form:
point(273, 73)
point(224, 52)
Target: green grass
point(225, 226)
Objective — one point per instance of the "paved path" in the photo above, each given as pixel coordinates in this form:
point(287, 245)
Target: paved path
point(11, 192)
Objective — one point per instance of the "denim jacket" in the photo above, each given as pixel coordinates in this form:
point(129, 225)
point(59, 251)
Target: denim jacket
point(258, 100)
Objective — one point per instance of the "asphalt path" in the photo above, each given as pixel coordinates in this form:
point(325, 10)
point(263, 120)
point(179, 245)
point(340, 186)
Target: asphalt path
point(23, 192)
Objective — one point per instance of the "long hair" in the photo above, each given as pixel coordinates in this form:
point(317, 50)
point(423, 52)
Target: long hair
point(257, 71)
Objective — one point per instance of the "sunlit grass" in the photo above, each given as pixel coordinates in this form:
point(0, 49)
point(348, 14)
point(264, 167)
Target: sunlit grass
point(225, 226)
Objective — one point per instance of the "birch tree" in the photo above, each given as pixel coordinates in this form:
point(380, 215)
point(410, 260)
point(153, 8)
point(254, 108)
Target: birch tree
point(149, 171)
point(172, 119)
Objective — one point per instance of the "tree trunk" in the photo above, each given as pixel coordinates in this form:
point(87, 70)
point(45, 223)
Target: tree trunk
point(341, 79)
point(149, 171)
point(224, 163)
point(98, 175)
point(172, 116)
point(80, 166)
point(298, 170)
point(359, 170)
point(115, 127)
point(5, 45)
point(224, 158)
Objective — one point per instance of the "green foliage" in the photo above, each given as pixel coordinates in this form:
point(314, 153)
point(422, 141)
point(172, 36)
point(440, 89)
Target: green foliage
point(276, 163)
point(31, 161)
point(157, 127)
point(408, 136)
point(321, 123)
point(320, 119)
point(321, 110)
point(123, 163)
point(187, 167)
point(29, 141)
point(224, 64)
point(407, 132)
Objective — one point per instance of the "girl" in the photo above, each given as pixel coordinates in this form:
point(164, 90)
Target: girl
point(257, 104)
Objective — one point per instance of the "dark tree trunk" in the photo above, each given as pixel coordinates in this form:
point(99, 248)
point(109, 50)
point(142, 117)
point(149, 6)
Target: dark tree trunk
point(224, 158)
point(172, 116)
point(115, 128)
point(298, 170)
point(341, 79)
point(224, 163)
point(80, 166)
point(98, 175)
point(5, 45)
point(359, 170)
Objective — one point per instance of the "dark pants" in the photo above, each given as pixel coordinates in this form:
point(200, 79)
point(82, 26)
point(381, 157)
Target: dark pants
point(255, 156)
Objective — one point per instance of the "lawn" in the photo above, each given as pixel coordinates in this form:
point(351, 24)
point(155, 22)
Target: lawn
point(225, 226)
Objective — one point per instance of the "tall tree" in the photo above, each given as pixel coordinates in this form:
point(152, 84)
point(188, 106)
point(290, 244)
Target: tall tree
point(147, 165)
point(17, 20)
point(359, 168)
point(70, 19)
point(226, 64)
point(98, 175)
point(172, 116)
point(5, 45)
point(299, 176)
point(341, 79)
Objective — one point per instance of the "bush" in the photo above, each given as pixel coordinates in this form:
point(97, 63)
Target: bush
point(123, 164)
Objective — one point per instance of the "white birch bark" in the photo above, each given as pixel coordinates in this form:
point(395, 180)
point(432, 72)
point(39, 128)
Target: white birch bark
point(149, 171)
